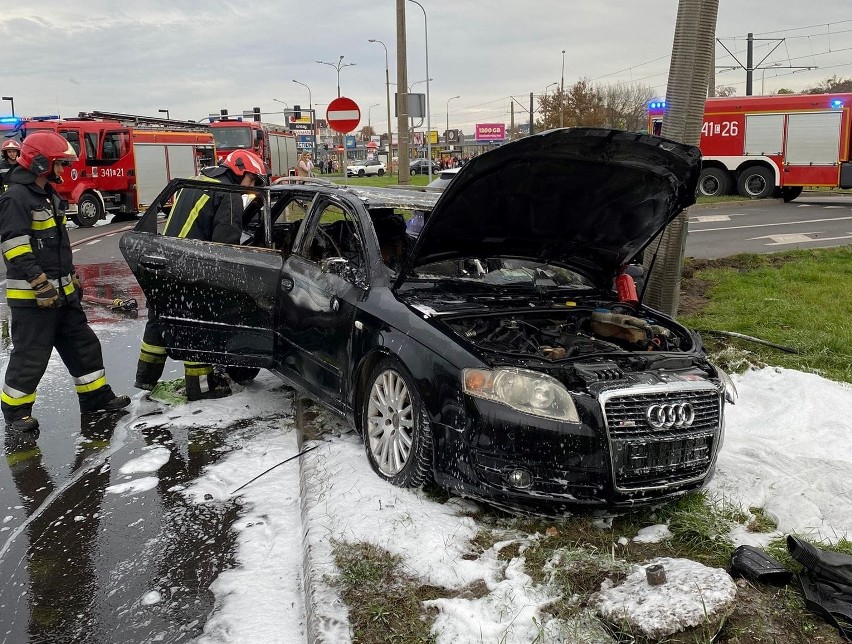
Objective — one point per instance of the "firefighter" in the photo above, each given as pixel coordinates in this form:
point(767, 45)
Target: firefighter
point(208, 215)
point(9, 152)
point(42, 288)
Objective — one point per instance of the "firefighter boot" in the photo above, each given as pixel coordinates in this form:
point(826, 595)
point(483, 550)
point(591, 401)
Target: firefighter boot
point(105, 405)
point(24, 424)
point(206, 386)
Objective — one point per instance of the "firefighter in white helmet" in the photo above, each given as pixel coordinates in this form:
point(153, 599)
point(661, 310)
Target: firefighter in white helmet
point(9, 152)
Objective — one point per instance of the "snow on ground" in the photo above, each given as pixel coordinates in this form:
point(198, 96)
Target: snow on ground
point(787, 451)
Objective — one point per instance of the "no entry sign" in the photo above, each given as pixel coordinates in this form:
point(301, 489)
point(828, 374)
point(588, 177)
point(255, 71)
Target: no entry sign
point(343, 115)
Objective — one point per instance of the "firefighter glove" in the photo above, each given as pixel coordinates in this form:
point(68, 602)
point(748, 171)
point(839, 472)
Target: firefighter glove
point(46, 294)
point(78, 284)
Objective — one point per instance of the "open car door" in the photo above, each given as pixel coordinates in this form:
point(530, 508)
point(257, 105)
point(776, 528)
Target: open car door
point(215, 302)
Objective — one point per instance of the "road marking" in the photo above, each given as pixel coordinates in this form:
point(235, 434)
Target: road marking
point(804, 205)
point(75, 250)
point(94, 241)
point(779, 223)
point(834, 206)
point(708, 219)
point(793, 238)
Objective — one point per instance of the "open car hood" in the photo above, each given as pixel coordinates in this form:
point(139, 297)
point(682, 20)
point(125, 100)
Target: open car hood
point(589, 199)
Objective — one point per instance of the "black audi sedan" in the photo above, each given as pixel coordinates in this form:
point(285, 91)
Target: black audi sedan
point(492, 353)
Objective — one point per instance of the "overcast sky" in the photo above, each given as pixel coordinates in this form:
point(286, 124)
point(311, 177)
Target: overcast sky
point(194, 58)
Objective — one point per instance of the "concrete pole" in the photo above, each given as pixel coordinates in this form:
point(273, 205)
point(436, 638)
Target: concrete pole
point(692, 54)
point(404, 177)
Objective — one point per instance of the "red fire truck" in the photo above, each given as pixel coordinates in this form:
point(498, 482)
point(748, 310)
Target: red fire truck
point(275, 144)
point(760, 146)
point(125, 160)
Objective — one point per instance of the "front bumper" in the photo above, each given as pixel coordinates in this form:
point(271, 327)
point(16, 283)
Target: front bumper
point(613, 457)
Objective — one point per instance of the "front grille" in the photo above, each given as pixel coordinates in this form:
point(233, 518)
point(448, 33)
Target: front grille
point(643, 456)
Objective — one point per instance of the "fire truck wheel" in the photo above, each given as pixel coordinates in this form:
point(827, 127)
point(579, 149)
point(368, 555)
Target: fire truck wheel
point(756, 182)
point(89, 211)
point(788, 194)
point(242, 375)
point(713, 182)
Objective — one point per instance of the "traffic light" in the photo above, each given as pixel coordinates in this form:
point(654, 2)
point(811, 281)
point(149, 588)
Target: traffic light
point(297, 111)
point(325, 146)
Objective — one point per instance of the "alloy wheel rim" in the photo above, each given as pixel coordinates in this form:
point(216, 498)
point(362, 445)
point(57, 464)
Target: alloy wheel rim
point(390, 422)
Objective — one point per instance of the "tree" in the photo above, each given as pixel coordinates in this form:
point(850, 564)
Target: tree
point(784, 90)
point(726, 90)
point(620, 106)
point(831, 85)
point(366, 132)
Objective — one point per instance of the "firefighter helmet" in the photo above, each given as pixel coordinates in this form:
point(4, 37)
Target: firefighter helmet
point(40, 150)
point(241, 161)
point(9, 145)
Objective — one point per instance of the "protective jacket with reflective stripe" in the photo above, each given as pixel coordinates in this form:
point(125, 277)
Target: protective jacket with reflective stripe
point(33, 239)
point(209, 215)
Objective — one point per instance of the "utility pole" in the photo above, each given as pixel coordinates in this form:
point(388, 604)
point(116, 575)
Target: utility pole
point(401, 96)
point(532, 121)
point(750, 67)
point(511, 120)
point(692, 55)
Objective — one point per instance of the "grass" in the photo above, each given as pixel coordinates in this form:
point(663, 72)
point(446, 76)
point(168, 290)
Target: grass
point(796, 299)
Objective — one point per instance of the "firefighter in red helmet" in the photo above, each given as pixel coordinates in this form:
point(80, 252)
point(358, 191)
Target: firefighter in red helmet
point(208, 215)
point(42, 288)
point(9, 152)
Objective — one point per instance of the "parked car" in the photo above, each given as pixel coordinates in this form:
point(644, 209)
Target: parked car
point(443, 180)
point(492, 354)
point(421, 166)
point(366, 168)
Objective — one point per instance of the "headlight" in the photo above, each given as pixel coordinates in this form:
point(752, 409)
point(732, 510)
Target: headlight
point(730, 389)
point(528, 392)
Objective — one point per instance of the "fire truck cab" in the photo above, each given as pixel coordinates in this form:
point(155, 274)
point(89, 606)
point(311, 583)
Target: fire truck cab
point(275, 144)
point(763, 146)
point(124, 161)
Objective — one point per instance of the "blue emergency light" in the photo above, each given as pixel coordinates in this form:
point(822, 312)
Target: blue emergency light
point(9, 120)
point(836, 103)
point(656, 105)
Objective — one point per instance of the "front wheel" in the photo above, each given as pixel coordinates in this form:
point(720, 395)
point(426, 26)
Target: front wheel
point(756, 182)
point(790, 193)
point(361, 173)
point(397, 435)
point(380, 172)
point(90, 210)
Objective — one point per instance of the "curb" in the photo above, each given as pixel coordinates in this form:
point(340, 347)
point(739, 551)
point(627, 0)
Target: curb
point(738, 204)
point(320, 627)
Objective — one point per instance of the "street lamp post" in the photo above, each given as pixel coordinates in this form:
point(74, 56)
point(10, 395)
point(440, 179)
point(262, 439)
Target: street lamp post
point(387, 91)
point(370, 116)
point(428, 107)
point(543, 115)
point(166, 112)
point(338, 66)
point(11, 99)
point(447, 134)
point(562, 93)
point(313, 116)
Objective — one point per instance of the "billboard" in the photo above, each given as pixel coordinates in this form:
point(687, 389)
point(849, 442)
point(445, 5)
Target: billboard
point(490, 131)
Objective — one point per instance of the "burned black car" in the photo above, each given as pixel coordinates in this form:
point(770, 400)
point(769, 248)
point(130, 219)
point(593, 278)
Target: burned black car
point(491, 353)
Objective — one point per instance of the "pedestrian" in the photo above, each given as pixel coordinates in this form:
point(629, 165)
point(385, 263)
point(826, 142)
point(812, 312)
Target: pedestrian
point(306, 166)
point(8, 159)
point(42, 288)
point(208, 215)
point(329, 165)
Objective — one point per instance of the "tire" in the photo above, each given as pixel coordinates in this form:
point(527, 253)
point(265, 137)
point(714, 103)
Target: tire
point(714, 182)
point(242, 375)
point(380, 172)
point(361, 172)
point(790, 193)
point(398, 442)
point(413, 172)
point(757, 182)
point(89, 211)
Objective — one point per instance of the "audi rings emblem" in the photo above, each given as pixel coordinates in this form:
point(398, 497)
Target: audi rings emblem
point(670, 415)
